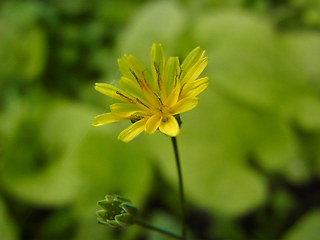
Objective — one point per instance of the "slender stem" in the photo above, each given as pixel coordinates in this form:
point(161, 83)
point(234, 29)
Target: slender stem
point(182, 201)
point(165, 232)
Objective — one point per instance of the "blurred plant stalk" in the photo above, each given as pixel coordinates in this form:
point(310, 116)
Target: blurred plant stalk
point(181, 190)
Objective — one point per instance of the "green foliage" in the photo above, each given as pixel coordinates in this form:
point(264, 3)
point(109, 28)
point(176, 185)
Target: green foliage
point(8, 228)
point(306, 228)
point(160, 22)
point(23, 42)
point(250, 150)
point(166, 222)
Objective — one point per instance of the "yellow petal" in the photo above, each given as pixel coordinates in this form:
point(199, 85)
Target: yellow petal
point(105, 118)
point(157, 65)
point(174, 96)
point(184, 105)
point(153, 124)
point(197, 90)
point(169, 126)
point(193, 57)
point(194, 88)
point(134, 130)
point(113, 92)
point(136, 66)
point(131, 87)
point(124, 110)
point(195, 71)
point(141, 73)
point(172, 73)
point(131, 68)
point(124, 67)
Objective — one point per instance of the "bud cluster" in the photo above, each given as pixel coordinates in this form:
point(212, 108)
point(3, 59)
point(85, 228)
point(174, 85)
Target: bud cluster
point(116, 211)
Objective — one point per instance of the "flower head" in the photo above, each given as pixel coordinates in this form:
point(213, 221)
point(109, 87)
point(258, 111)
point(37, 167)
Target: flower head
point(116, 211)
point(151, 100)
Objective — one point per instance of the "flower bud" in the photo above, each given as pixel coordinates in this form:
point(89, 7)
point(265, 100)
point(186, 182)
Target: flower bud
point(116, 211)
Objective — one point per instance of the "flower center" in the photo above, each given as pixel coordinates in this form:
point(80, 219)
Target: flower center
point(164, 111)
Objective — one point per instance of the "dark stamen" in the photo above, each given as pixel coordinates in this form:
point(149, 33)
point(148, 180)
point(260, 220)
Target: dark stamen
point(126, 97)
point(135, 76)
point(157, 68)
point(138, 100)
point(177, 76)
point(198, 85)
point(181, 89)
point(158, 98)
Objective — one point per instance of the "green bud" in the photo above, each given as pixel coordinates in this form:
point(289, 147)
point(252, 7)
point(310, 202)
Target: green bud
point(116, 211)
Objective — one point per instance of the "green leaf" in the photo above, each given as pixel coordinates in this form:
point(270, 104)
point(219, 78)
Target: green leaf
point(317, 154)
point(35, 46)
point(157, 22)
point(306, 228)
point(306, 48)
point(54, 186)
point(163, 221)
point(112, 166)
point(213, 176)
point(8, 228)
point(22, 44)
point(57, 181)
point(248, 60)
point(308, 112)
point(87, 226)
point(275, 143)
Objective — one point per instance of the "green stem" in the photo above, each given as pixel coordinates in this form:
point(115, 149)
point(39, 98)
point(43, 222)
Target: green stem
point(182, 201)
point(153, 228)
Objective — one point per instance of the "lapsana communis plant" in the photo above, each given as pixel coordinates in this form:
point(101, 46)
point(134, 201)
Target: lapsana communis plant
point(151, 99)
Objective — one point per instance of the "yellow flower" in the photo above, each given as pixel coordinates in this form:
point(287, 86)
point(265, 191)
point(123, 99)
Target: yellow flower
point(152, 100)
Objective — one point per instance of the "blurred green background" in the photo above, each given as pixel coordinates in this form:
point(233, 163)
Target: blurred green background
point(250, 150)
